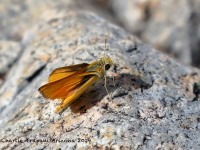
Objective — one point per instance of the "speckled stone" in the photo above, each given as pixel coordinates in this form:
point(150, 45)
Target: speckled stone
point(9, 52)
point(18, 16)
point(153, 104)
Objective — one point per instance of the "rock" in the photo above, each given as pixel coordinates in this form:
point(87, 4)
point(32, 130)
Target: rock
point(9, 51)
point(7, 56)
point(18, 16)
point(153, 102)
point(175, 31)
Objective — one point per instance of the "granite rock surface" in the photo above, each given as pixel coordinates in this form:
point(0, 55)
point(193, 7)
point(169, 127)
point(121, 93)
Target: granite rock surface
point(155, 101)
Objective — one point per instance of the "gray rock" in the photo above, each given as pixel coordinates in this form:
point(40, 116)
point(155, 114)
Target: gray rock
point(9, 52)
point(174, 31)
point(153, 104)
point(18, 16)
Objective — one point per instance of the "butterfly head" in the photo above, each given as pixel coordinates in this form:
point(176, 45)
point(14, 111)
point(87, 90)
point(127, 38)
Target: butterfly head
point(107, 62)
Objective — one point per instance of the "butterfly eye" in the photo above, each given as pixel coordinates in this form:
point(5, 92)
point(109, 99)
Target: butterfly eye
point(107, 66)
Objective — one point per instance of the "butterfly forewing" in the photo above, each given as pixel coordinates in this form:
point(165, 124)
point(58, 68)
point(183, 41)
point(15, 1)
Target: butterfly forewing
point(61, 88)
point(63, 72)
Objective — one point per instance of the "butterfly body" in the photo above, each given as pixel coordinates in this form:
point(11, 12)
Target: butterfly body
point(70, 82)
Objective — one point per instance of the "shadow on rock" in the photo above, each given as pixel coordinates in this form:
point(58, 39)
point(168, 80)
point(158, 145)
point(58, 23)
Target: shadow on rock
point(96, 94)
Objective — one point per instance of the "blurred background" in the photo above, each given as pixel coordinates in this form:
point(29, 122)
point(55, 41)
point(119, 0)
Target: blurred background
point(172, 27)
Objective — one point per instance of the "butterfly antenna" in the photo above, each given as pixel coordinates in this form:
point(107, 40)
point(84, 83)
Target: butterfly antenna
point(105, 46)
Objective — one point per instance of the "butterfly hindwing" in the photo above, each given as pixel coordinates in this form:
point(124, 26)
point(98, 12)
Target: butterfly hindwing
point(74, 94)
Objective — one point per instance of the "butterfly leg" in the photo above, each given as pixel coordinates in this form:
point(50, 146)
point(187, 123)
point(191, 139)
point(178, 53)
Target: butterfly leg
point(105, 81)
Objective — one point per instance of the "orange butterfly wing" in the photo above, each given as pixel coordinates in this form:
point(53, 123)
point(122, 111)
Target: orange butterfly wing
point(63, 72)
point(77, 91)
point(61, 86)
point(73, 82)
